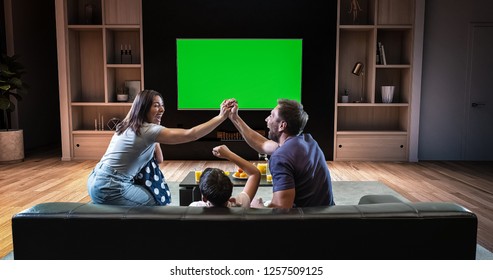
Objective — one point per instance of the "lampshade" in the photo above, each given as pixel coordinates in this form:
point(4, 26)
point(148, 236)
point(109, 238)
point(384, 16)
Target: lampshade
point(358, 69)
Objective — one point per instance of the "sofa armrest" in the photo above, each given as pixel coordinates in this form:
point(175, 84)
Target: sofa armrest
point(382, 198)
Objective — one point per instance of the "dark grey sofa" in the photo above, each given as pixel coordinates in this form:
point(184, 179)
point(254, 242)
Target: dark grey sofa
point(380, 227)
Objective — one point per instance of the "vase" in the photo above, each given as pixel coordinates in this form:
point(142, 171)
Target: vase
point(387, 94)
point(133, 89)
point(12, 145)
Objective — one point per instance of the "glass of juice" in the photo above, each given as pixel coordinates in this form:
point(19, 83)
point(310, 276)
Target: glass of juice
point(198, 173)
point(262, 167)
point(268, 176)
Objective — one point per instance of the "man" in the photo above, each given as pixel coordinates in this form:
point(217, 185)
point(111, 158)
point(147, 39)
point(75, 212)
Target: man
point(299, 170)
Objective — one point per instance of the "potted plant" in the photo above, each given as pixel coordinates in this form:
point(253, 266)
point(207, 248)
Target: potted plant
point(11, 85)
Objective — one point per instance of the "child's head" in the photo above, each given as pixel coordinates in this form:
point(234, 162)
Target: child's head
point(215, 186)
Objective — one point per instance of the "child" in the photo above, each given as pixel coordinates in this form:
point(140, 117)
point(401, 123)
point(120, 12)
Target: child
point(216, 187)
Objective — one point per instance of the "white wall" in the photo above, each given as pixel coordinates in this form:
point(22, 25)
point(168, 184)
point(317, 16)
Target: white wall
point(444, 75)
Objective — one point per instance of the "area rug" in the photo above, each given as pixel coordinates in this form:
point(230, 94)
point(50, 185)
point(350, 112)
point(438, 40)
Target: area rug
point(345, 192)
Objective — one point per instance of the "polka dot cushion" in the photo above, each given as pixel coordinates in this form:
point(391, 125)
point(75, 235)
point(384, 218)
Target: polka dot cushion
point(152, 177)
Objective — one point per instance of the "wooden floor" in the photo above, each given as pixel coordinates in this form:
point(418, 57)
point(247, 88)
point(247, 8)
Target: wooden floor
point(42, 177)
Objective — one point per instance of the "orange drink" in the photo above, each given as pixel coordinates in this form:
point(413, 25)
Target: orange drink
point(262, 167)
point(198, 173)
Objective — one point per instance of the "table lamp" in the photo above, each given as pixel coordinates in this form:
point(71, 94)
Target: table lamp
point(358, 70)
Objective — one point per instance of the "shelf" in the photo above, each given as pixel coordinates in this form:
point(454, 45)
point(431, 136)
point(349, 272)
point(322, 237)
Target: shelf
point(132, 27)
point(397, 44)
point(217, 140)
point(393, 66)
point(372, 132)
point(408, 27)
point(87, 117)
point(364, 13)
point(101, 104)
point(85, 27)
point(134, 66)
point(372, 104)
point(202, 150)
point(93, 132)
point(122, 46)
point(122, 12)
point(376, 117)
point(357, 27)
point(84, 12)
point(395, 12)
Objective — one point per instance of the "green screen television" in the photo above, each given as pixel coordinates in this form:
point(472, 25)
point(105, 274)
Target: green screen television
point(256, 72)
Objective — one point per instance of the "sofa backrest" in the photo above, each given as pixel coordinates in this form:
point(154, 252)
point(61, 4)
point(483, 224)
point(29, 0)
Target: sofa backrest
point(427, 230)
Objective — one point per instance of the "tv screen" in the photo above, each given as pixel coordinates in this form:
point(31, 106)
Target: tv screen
point(256, 72)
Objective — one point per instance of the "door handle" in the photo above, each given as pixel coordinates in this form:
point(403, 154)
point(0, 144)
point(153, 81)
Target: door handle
point(475, 105)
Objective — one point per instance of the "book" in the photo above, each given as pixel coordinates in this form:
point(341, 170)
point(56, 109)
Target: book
point(378, 54)
point(384, 60)
point(382, 53)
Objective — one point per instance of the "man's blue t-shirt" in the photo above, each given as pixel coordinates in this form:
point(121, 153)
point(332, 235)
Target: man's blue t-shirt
point(300, 163)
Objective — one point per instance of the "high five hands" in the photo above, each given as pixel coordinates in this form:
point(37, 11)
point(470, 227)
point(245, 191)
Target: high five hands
point(228, 107)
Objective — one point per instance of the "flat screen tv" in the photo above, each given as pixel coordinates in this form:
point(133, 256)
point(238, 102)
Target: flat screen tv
point(256, 72)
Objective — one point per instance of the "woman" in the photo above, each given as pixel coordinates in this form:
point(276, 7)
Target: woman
point(132, 151)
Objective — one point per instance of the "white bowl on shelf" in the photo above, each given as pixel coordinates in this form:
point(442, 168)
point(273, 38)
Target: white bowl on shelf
point(122, 97)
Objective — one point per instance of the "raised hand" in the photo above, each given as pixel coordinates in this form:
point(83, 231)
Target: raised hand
point(226, 107)
point(234, 110)
point(221, 151)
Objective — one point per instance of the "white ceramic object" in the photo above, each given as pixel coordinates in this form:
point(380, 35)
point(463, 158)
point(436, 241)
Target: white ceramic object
point(122, 97)
point(387, 94)
point(133, 89)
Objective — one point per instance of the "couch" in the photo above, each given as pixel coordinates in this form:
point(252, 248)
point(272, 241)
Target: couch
point(379, 227)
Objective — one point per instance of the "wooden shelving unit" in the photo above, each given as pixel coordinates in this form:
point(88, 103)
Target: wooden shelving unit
point(365, 127)
point(99, 49)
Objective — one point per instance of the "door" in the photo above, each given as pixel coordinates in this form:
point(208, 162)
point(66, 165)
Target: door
point(478, 144)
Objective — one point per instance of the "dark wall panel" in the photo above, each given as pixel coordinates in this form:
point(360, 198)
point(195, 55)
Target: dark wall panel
point(3, 43)
point(34, 30)
point(312, 20)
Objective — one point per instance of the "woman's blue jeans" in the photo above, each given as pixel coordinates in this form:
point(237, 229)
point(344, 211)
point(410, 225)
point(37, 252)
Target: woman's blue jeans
point(106, 186)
